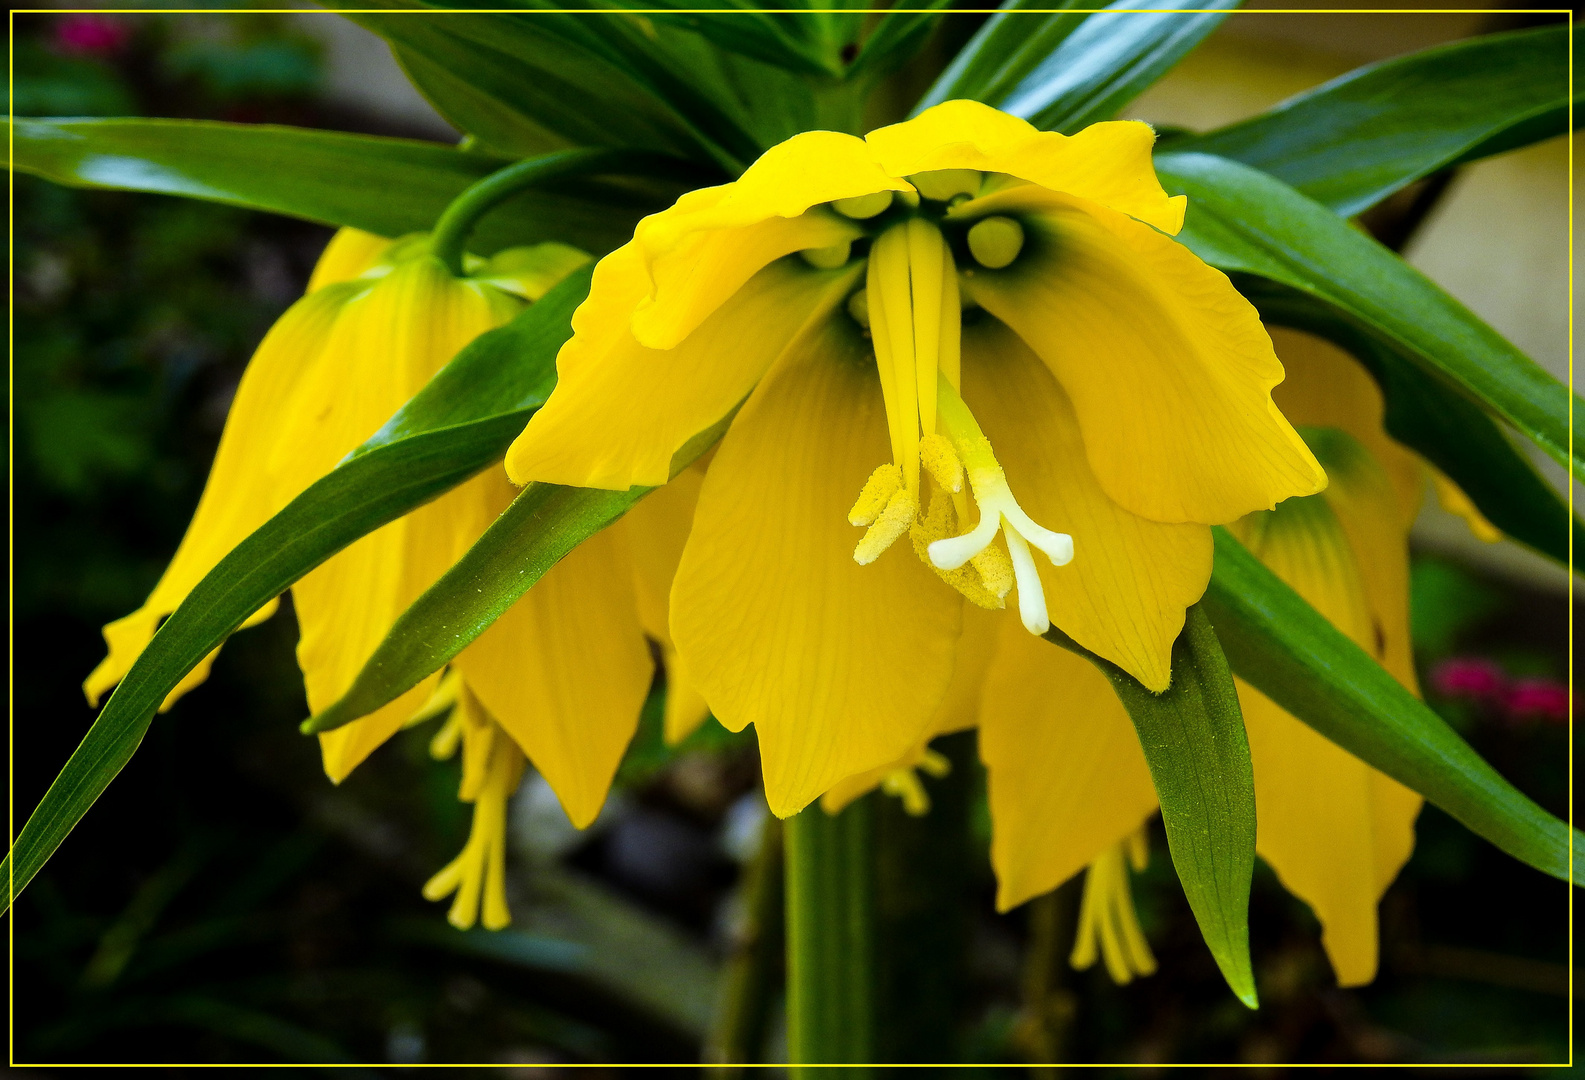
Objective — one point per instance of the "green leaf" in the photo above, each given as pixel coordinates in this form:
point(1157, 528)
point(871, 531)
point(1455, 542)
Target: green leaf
point(1194, 742)
point(896, 38)
point(1289, 652)
point(541, 526)
point(1109, 60)
point(458, 424)
point(1362, 136)
point(591, 79)
point(785, 39)
point(1241, 219)
point(1427, 415)
point(1004, 51)
point(385, 186)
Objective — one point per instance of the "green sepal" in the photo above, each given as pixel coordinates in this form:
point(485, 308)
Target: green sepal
point(1288, 651)
point(1194, 742)
point(1243, 220)
point(389, 187)
point(460, 423)
point(1362, 136)
point(1427, 415)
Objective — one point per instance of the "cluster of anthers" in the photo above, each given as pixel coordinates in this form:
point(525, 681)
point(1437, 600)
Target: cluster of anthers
point(912, 308)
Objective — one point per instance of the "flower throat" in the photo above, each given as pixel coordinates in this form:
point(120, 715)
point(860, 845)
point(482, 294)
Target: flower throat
point(912, 307)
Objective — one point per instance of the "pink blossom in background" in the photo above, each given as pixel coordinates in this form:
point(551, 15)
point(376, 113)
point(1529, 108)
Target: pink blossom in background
point(92, 35)
point(1470, 678)
point(1537, 699)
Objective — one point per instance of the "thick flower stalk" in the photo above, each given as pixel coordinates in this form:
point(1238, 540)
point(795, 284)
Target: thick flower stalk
point(960, 329)
point(560, 678)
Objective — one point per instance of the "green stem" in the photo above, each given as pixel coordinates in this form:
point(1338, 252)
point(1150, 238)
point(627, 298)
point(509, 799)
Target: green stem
point(831, 939)
point(1048, 1007)
point(748, 982)
point(457, 222)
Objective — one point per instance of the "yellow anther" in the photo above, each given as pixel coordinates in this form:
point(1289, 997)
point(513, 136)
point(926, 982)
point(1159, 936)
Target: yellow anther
point(940, 522)
point(859, 308)
point(901, 510)
point(1108, 926)
point(828, 258)
point(996, 241)
point(906, 786)
point(860, 207)
point(447, 739)
point(935, 764)
point(995, 570)
point(941, 461)
point(943, 185)
point(883, 483)
point(478, 874)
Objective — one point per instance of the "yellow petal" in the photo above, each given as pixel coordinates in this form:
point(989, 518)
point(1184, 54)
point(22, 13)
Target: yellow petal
point(238, 496)
point(700, 251)
point(1366, 504)
point(1108, 162)
point(693, 279)
point(1451, 497)
point(959, 709)
point(386, 344)
point(839, 667)
point(1335, 830)
point(1124, 594)
point(1066, 775)
point(349, 253)
point(565, 671)
point(620, 411)
point(656, 530)
point(1168, 368)
point(1326, 387)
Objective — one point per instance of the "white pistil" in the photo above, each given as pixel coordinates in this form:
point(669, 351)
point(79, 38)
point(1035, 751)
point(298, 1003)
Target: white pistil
point(999, 512)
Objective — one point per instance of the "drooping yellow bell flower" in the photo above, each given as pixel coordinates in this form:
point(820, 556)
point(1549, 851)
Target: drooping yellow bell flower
point(564, 672)
point(960, 329)
point(1067, 778)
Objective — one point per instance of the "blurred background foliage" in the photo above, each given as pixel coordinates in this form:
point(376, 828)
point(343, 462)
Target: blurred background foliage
point(224, 903)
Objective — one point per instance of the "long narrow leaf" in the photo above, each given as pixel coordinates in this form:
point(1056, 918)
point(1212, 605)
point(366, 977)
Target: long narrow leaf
point(1194, 742)
point(434, 445)
point(1243, 220)
point(1432, 418)
point(1109, 60)
point(1289, 652)
point(386, 186)
point(896, 38)
point(1362, 136)
point(541, 526)
point(1004, 51)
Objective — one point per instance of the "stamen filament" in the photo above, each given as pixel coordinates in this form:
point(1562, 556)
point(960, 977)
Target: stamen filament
point(925, 280)
point(891, 326)
point(1108, 926)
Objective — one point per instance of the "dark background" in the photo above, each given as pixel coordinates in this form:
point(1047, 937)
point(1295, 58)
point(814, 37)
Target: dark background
point(224, 903)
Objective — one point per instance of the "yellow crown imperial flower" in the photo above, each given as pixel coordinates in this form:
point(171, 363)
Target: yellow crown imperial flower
point(957, 328)
point(563, 674)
